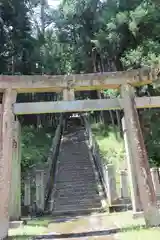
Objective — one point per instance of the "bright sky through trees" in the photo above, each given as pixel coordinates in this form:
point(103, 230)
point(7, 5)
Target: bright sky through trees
point(53, 3)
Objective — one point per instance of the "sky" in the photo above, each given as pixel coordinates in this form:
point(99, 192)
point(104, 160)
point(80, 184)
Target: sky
point(54, 3)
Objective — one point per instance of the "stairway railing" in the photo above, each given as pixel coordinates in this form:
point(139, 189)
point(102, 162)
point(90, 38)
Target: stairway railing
point(95, 151)
point(52, 161)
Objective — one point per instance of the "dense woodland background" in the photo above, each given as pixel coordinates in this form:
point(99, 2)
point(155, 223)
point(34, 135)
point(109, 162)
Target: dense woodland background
point(81, 36)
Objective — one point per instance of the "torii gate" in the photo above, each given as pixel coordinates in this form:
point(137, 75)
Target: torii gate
point(137, 155)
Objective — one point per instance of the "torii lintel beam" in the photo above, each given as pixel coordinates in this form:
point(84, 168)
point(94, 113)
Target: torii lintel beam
point(81, 105)
point(78, 82)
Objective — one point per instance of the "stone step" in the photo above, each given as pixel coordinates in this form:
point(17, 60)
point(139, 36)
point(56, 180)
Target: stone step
point(69, 200)
point(74, 212)
point(79, 157)
point(79, 171)
point(70, 182)
point(78, 200)
point(72, 178)
point(76, 169)
point(74, 153)
point(78, 182)
point(78, 185)
point(76, 203)
point(80, 196)
point(83, 192)
point(76, 191)
point(83, 169)
point(79, 175)
point(75, 183)
point(74, 148)
point(75, 207)
point(76, 164)
point(68, 162)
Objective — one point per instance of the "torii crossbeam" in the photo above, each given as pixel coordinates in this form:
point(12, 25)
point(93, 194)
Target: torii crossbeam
point(78, 82)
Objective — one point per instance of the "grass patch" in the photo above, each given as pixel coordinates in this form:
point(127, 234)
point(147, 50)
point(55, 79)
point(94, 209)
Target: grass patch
point(41, 222)
point(111, 144)
point(33, 228)
point(26, 231)
point(140, 234)
point(125, 220)
point(133, 229)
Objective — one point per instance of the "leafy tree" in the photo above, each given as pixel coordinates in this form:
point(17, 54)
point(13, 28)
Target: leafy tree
point(15, 36)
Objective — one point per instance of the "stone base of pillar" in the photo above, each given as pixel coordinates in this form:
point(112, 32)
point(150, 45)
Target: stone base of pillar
point(40, 189)
point(137, 215)
point(111, 184)
point(4, 226)
point(15, 224)
point(124, 190)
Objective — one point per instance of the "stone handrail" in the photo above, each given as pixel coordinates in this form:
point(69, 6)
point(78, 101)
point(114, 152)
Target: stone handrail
point(52, 161)
point(96, 154)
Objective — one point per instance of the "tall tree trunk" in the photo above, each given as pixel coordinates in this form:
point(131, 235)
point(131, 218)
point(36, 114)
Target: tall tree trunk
point(42, 31)
point(112, 118)
point(119, 121)
point(43, 16)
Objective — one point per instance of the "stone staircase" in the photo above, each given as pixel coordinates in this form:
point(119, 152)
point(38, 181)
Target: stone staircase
point(77, 187)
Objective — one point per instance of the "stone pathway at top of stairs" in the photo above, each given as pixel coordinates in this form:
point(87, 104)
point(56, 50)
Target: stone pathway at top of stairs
point(89, 227)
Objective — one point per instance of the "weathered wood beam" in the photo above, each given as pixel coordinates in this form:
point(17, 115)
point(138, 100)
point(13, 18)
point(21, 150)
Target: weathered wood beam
point(78, 82)
point(148, 102)
point(140, 158)
point(65, 106)
point(132, 174)
point(82, 105)
point(15, 194)
point(8, 100)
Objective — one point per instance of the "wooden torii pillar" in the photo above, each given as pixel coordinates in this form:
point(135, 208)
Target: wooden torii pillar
point(134, 189)
point(68, 94)
point(15, 193)
point(140, 158)
point(6, 134)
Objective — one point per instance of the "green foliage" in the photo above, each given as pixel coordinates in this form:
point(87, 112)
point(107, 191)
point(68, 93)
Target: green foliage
point(111, 93)
point(148, 53)
point(15, 44)
point(83, 36)
point(151, 130)
point(111, 144)
point(35, 146)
